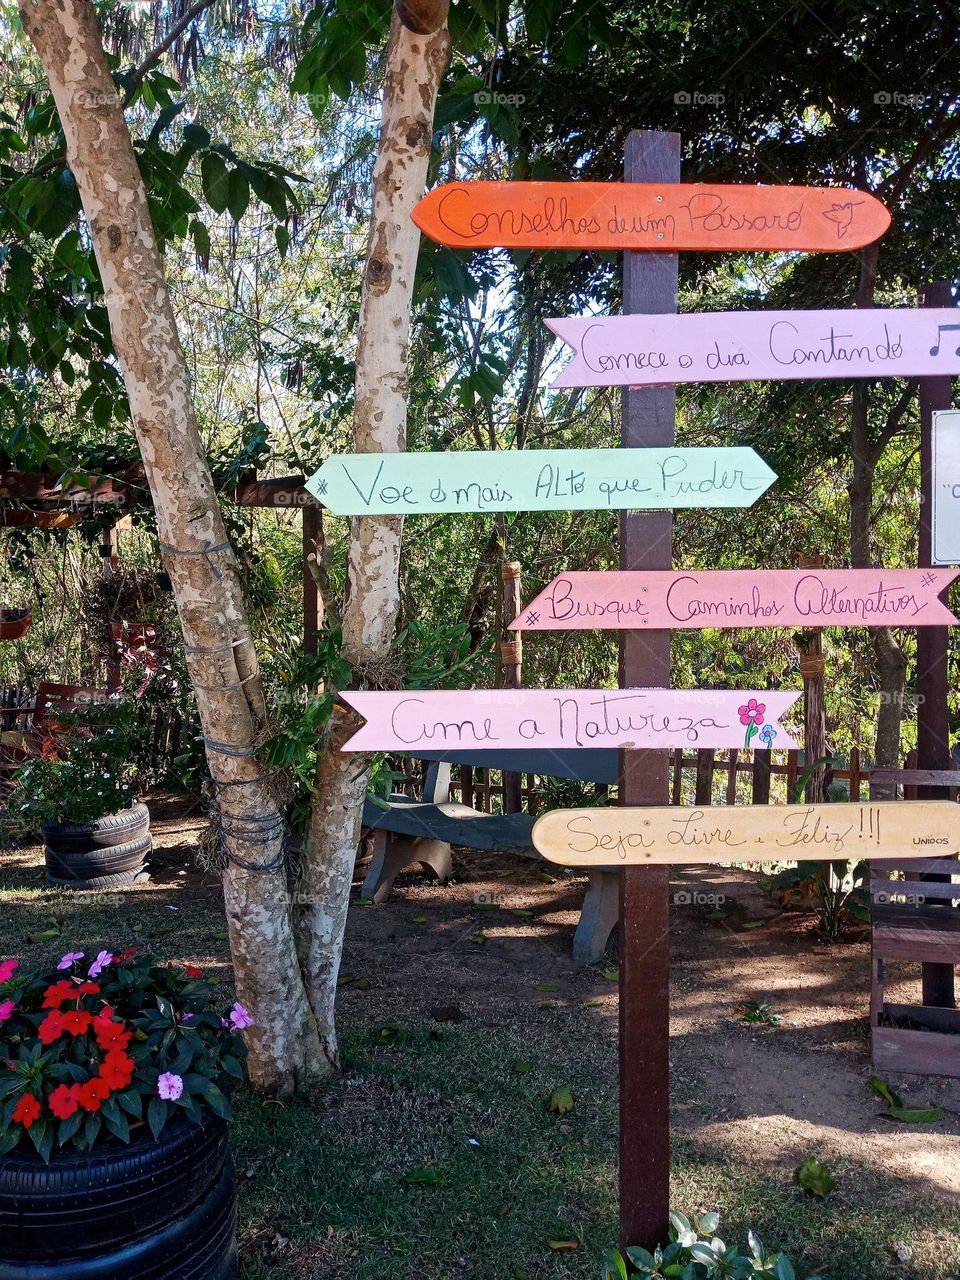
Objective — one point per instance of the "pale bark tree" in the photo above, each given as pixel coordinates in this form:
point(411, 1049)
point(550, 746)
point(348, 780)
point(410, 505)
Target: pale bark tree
point(417, 54)
point(284, 1045)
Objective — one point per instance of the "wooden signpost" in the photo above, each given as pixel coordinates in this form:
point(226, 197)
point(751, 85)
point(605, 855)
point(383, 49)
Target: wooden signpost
point(946, 487)
point(544, 718)
point(741, 598)
point(540, 480)
point(738, 346)
point(647, 351)
point(649, 215)
point(745, 833)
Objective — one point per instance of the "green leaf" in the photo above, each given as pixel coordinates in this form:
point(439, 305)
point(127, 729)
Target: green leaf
point(215, 181)
point(282, 236)
point(217, 1102)
point(815, 1177)
point(890, 1096)
point(561, 1101)
point(915, 1115)
point(201, 239)
point(196, 136)
point(238, 194)
point(784, 1269)
point(158, 1113)
point(118, 1124)
point(69, 1127)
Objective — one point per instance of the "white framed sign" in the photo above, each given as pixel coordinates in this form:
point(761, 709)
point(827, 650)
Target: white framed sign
point(946, 487)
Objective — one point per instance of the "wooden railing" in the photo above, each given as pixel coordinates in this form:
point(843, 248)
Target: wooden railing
point(707, 776)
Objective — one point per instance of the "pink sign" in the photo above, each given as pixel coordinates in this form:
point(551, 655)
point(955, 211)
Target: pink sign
point(741, 598)
point(736, 346)
point(413, 719)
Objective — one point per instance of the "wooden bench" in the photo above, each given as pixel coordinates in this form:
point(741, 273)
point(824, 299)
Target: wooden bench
point(914, 921)
point(407, 832)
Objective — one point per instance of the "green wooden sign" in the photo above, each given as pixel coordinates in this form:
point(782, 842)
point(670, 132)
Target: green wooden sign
point(397, 484)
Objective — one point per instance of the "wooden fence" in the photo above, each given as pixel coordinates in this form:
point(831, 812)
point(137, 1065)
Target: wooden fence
point(166, 731)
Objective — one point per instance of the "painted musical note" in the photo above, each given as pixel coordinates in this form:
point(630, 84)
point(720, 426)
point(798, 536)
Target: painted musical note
point(944, 328)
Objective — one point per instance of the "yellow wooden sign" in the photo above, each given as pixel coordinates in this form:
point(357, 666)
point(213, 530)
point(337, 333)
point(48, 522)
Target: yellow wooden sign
point(749, 833)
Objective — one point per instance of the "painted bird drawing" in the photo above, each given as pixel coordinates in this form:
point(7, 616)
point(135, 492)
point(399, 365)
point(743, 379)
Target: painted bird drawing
point(842, 216)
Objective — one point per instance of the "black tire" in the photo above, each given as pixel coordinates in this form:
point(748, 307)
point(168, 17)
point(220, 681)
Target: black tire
point(101, 883)
point(99, 862)
point(115, 829)
point(115, 1202)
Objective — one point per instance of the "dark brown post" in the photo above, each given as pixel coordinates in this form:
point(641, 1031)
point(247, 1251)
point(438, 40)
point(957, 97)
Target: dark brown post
point(109, 566)
point(646, 542)
point(312, 550)
point(511, 660)
point(812, 666)
point(933, 727)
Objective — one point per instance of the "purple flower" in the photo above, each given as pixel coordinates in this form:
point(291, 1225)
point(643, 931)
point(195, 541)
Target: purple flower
point(70, 959)
point(103, 959)
point(239, 1018)
point(7, 1009)
point(170, 1086)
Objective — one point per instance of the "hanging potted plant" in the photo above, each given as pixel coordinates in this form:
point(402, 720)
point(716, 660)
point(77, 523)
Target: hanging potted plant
point(114, 1156)
point(14, 623)
point(82, 795)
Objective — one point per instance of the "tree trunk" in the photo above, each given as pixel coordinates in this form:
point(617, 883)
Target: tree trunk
point(416, 58)
point(284, 1047)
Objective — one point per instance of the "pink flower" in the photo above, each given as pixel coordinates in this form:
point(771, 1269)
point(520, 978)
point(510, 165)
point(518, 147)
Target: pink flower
point(170, 1086)
point(6, 1010)
point(239, 1018)
point(70, 959)
point(7, 970)
point(103, 959)
point(752, 712)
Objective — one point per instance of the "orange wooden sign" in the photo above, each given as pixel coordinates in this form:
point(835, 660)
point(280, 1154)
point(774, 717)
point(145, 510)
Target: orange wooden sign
point(648, 215)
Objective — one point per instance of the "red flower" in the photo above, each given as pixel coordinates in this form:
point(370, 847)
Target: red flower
point(125, 956)
point(51, 1028)
point(64, 1100)
point(117, 1070)
point(76, 1022)
point(88, 989)
point(54, 996)
point(110, 1035)
point(93, 1093)
point(192, 971)
point(27, 1110)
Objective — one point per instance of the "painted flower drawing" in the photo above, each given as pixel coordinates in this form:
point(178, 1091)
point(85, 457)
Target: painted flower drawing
point(751, 714)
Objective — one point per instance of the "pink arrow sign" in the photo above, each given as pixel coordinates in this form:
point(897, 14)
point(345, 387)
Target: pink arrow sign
point(736, 346)
point(507, 718)
point(741, 598)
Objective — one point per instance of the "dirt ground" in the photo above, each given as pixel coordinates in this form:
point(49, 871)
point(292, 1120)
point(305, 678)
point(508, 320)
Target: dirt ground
point(768, 1095)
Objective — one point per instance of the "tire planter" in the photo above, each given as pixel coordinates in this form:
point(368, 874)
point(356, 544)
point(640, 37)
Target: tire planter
point(14, 623)
point(152, 1210)
point(98, 855)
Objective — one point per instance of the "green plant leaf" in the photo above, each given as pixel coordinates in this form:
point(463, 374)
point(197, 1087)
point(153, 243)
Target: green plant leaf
point(561, 1101)
point(815, 1177)
point(915, 1115)
point(424, 1175)
point(890, 1096)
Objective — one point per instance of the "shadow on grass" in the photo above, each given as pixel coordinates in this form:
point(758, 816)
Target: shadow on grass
point(437, 1157)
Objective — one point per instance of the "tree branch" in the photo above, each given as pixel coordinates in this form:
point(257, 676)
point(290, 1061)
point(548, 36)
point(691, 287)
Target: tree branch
point(156, 54)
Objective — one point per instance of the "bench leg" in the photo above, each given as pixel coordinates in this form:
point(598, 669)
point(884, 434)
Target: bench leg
point(599, 914)
point(392, 853)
